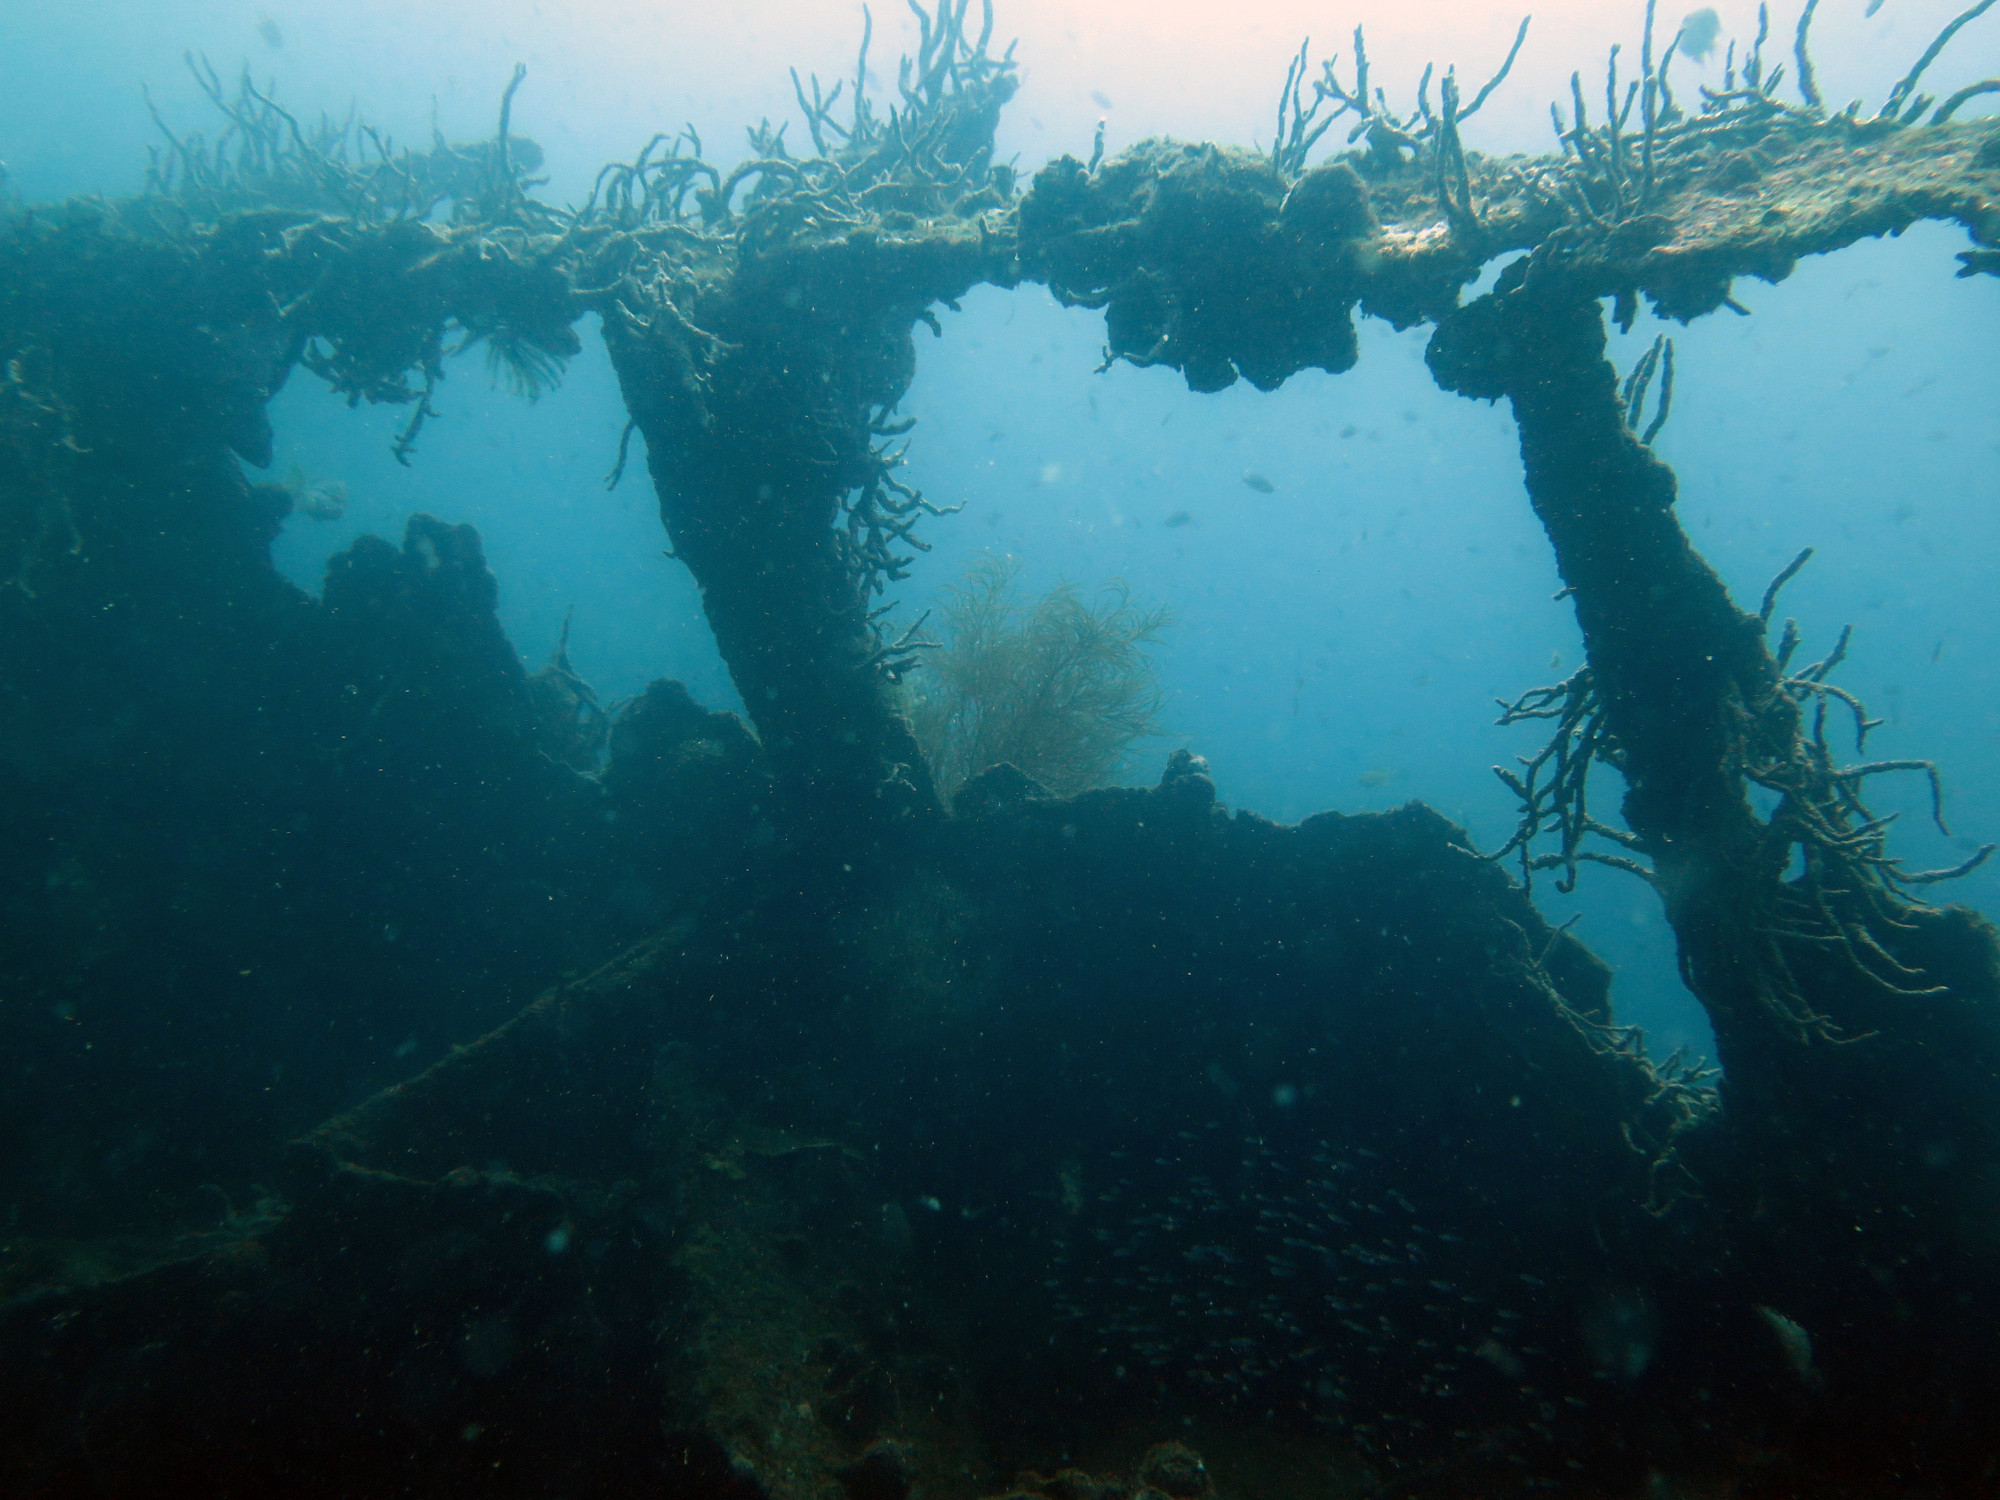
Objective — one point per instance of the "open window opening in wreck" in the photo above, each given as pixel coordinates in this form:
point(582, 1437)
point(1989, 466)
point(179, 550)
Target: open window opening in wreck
point(867, 1141)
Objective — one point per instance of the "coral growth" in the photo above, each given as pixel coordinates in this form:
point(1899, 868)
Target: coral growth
point(1152, 236)
point(1055, 686)
point(907, 1152)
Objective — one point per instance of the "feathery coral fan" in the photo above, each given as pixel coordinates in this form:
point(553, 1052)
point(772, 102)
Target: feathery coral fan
point(1057, 687)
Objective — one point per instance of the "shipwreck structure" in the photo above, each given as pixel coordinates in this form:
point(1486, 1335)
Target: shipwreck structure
point(863, 1145)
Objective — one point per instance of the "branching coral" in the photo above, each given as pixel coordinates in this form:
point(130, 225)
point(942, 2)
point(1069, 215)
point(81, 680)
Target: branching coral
point(1676, 202)
point(1430, 137)
point(1057, 687)
point(370, 283)
point(760, 321)
point(761, 315)
point(1644, 197)
point(1685, 701)
point(890, 210)
point(264, 158)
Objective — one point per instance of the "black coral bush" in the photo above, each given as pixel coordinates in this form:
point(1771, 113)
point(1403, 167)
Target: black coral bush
point(1059, 687)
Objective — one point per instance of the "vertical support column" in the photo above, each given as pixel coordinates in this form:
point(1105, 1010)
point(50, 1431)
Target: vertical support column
point(1859, 1032)
point(753, 446)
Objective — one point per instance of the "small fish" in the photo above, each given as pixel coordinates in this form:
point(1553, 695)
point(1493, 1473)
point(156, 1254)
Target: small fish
point(1258, 482)
point(1500, 1357)
point(1375, 779)
point(1097, 98)
point(1178, 518)
point(274, 38)
point(1699, 31)
point(321, 499)
point(1795, 1344)
point(1873, 6)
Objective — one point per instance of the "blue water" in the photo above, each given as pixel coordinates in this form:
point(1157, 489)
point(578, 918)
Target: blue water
point(1342, 638)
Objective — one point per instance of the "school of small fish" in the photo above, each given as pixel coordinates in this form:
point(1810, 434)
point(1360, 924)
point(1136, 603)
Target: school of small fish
point(1301, 1284)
